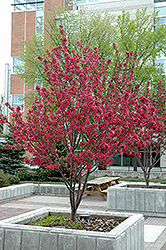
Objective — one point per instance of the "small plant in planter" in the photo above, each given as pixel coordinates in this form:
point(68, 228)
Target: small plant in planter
point(93, 223)
point(84, 109)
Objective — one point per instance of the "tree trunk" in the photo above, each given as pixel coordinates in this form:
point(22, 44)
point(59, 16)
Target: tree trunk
point(146, 176)
point(73, 214)
point(135, 168)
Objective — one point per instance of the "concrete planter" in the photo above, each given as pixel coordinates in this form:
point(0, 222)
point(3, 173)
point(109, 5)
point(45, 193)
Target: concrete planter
point(147, 201)
point(14, 235)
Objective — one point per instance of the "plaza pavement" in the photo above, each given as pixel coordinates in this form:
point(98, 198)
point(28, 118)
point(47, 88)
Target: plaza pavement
point(155, 228)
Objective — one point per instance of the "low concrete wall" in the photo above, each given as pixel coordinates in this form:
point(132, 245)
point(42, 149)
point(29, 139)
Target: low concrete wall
point(23, 190)
point(51, 189)
point(147, 201)
point(16, 191)
point(126, 173)
point(129, 235)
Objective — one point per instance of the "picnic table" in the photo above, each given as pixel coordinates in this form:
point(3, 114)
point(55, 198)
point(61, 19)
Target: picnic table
point(99, 186)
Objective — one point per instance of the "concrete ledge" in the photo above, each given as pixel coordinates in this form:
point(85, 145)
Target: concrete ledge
point(23, 190)
point(126, 173)
point(16, 191)
point(129, 235)
point(147, 201)
point(51, 189)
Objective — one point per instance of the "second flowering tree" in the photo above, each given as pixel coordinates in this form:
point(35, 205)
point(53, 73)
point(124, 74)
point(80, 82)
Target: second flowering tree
point(86, 112)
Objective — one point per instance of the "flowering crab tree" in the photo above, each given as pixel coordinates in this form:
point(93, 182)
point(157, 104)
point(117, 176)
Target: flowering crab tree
point(84, 110)
point(152, 152)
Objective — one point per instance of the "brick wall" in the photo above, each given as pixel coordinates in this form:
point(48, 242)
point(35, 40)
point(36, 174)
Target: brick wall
point(30, 24)
point(17, 36)
point(16, 86)
point(17, 44)
point(21, 22)
point(49, 5)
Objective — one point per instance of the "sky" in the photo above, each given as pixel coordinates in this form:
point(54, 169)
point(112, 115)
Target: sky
point(5, 39)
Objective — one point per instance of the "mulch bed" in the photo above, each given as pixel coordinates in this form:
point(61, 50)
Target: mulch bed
point(93, 224)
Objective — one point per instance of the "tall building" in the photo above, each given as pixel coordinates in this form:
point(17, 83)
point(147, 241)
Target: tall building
point(28, 16)
point(160, 7)
point(27, 19)
point(115, 7)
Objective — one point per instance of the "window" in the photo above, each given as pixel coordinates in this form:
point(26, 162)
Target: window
point(161, 20)
point(40, 6)
point(31, 5)
point(161, 11)
point(39, 21)
point(17, 62)
point(17, 100)
point(117, 160)
point(161, 61)
point(22, 5)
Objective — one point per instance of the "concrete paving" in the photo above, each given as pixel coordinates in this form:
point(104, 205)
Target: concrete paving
point(155, 228)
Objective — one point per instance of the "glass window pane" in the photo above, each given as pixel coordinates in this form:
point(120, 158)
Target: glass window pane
point(17, 62)
point(40, 6)
point(39, 21)
point(18, 99)
point(19, 1)
point(127, 160)
point(20, 7)
point(117, 160)
point(161, 61)
point(161, 11)
point(80, 1)
point(31, 6)
point(162, 20)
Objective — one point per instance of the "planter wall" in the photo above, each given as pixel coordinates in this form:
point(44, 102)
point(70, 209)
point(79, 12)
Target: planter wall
point(17, 191)
point(129, 235)
point(151, 201)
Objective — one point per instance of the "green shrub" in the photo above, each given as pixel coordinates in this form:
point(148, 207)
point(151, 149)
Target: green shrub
point(24, 175)
point(11, 158)
point(4, 179)
point(14, 179)
point(46, 174)
point(55, 179)
point(40, 174)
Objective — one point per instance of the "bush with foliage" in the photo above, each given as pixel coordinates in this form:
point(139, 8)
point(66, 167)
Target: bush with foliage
point(40, 174)
point(11, 155)
point(14, 179)
point(24, 175)
point(4, 179)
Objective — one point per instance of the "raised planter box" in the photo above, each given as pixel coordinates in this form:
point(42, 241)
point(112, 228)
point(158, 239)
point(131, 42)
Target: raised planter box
point(147, 201)
point(129, 235)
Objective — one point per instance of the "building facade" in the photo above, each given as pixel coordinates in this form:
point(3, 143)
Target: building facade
point(27, 19)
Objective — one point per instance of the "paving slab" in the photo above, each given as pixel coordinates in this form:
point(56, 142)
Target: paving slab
point(155, 228)
point(153, 232)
